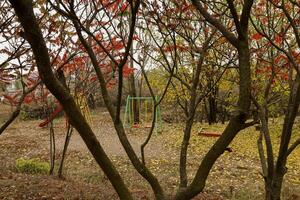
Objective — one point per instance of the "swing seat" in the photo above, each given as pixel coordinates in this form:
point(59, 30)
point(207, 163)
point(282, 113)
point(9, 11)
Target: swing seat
point(147, 126)
point(135, 126)
point(209, 133)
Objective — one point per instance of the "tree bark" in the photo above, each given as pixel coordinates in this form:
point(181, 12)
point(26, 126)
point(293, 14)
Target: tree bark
point(212, 104)
point(183, 152)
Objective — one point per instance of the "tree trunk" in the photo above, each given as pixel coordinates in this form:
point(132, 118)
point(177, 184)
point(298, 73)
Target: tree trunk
point(66, 144)
point(236, 123)
point(206, 110)
point(273, 188)
point(91, 101)
point(132, 90)
point(183, 152)
point(133, 93)
point(52, 148)
point(277, 186)
point(212, 110)
point(224, 113)
point(212, 104)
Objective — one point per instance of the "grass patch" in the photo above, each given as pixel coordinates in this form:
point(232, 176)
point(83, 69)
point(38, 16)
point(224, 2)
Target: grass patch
point(32, 166)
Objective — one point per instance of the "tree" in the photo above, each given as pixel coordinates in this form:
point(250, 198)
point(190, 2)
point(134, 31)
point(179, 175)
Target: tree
point(284, 39)
point(24, 11)
point(237, 122)
point(183, 46)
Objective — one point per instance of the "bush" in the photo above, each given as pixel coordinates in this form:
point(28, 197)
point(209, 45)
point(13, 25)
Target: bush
point(32, 166)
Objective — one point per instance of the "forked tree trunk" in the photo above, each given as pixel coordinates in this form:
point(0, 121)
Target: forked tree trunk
point(191, 111)
point(237, 121)
point(273, 190)
point(289, 120)
point(236, 124)
point(274, 177)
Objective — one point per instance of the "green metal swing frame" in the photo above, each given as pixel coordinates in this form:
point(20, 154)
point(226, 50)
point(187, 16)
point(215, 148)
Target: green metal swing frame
point(128, 119)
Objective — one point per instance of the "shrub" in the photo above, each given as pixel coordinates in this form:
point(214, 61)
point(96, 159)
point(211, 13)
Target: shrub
point(32, 166)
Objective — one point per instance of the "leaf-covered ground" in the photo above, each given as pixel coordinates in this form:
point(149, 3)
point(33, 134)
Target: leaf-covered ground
point(236, 175)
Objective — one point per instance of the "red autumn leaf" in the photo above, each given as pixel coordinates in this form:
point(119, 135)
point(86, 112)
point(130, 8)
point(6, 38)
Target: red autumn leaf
point(98, 36)
point(28, 99)
point(285, 76)
point(128, 70)
point(93, 78)
point(278, 39)
point(275, 1)
point(257, 36)
point(123, 7)
point(135, 37)
point(258, 71)
point(10, 99)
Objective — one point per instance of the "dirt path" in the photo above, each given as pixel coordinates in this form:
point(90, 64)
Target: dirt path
point(109, 140)
point(102, 127)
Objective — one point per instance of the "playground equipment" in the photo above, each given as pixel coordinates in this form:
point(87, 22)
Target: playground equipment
point(84, 108)
point(57, 110)
point(202, 132)
point(80, 101)
point(145, 111)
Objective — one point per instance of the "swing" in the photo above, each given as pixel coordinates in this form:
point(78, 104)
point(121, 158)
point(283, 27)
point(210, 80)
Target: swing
point(143, 106)
point(204, 133)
